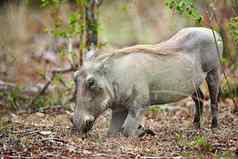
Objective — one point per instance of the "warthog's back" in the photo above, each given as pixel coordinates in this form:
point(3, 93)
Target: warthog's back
point(185, 40)
point(170, 70)
point(166, 78)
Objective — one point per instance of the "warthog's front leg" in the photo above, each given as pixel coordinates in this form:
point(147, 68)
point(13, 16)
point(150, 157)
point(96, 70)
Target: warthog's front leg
point(132, 125)
point(139, 102)
point(118, 118)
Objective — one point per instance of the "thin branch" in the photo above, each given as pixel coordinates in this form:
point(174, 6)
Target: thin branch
point(54, 73)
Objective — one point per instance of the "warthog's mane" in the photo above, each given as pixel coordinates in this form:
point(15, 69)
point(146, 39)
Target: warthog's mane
point(163, 49)
point(173, 46)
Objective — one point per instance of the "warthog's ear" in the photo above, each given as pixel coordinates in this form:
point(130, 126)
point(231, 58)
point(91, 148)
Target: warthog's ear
point(75, 75)
point(91, 54)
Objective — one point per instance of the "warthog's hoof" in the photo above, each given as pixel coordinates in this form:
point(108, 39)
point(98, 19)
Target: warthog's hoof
point(214, 123)
point(145, 131)
point(196, 125)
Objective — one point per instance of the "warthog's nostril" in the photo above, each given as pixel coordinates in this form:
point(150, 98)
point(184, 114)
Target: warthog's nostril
point(89, 124)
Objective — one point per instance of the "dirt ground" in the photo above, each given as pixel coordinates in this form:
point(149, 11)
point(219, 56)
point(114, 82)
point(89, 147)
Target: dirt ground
point(49, 135)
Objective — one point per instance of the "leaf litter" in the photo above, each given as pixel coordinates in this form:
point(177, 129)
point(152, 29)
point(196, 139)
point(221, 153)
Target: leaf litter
point(49, 135)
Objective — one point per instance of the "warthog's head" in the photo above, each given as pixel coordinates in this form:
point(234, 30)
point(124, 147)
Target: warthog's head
point(93, 95)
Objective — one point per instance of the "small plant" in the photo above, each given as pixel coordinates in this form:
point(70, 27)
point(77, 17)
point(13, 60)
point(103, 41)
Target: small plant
point(201, 144)
point(231, 90)
point(233, 28)
point(13, 98)
point(225, 155)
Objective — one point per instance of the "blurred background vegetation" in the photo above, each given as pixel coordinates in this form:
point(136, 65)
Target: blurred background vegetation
point(38, 36)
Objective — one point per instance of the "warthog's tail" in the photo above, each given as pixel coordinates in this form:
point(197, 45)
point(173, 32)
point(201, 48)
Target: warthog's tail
point(219, 43)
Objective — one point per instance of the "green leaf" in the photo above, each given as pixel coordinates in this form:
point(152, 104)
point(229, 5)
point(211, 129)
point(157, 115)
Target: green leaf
point(185, 7)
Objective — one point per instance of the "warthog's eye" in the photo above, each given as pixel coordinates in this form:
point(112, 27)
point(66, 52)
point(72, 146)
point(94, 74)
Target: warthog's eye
point(91, 83)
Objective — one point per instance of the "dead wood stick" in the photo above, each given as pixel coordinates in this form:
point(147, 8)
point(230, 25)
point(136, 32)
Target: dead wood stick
point(54, 139)
point(26, 132)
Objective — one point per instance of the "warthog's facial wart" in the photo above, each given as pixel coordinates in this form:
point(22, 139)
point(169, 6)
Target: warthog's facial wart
point(93, 96)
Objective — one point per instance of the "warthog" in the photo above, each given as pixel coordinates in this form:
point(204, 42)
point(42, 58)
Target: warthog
point(129, 80)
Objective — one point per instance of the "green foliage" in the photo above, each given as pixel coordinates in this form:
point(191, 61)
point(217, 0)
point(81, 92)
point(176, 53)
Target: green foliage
point(201, 144)
point(125, 8)
point(82, 2)
point(13, 98)
point(75, 26)
point(184, 7)
point(225, 155)
point(154, 109)
point(198, 143)
point(45, 3)
point(59, 96)
point(233, 28)
point(224, 61)
point(44, 101)
point(231, 90)
point(40, 102)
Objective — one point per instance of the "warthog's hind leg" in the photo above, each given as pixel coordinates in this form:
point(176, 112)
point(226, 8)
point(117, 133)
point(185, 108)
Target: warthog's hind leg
point(198, 99)
point(118, 118)
point(213, 86)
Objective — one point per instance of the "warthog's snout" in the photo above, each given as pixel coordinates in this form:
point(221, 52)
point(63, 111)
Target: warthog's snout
point(83, 124)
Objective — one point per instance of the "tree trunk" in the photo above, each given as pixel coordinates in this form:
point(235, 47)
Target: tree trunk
point(91, 25)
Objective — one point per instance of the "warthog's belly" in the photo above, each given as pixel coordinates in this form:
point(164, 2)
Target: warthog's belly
point(175, 78)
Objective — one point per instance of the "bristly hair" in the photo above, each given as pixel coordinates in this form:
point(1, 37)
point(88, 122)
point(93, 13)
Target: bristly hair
point(172, 46)
point(164, 49)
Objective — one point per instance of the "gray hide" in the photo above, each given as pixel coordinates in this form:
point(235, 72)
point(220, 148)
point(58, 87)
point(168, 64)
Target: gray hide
point(129, 80)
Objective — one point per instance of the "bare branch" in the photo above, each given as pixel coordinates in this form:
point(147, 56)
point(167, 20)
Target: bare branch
point(53, 74)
